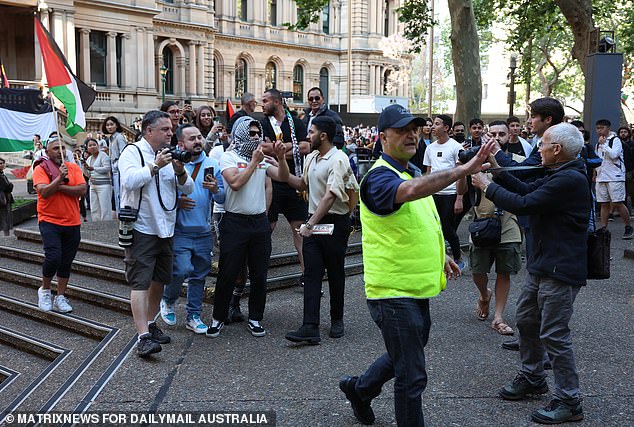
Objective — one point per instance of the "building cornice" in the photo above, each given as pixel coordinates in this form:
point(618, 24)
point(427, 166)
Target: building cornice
point(168, 26)
point(105, 4)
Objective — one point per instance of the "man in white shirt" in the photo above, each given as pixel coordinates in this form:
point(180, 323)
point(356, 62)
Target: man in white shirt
point(157, 179)
point(610, 183)
point(442, 154)
point(244, 229)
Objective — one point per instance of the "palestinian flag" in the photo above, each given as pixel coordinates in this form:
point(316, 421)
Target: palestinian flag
point(23, 113)
point(229, 110)
point(67, 88)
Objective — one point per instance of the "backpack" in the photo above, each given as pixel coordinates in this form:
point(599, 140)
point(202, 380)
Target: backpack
point(628, 156)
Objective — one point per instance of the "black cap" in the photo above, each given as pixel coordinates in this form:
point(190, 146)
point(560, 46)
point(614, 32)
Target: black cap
point(396, 116)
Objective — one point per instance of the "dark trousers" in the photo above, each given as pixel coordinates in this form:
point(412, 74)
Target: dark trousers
point(243, 237)
point(60, 246)
point(444, 206)
point(404, 324)
point(323, 252)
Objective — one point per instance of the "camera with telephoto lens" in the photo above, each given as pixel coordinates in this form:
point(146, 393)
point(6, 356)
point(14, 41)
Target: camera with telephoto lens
point(465, 156)
point(180, 155)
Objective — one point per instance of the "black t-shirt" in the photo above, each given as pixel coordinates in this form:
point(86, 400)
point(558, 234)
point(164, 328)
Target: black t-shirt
point(516, 148)
point(300, 133)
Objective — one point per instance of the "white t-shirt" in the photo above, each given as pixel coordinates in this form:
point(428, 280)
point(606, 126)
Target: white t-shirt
point(612, 167)
point(216, 154)
point(443, 156)
point(251, 198)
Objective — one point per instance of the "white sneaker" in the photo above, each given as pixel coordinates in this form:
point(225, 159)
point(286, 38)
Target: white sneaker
point(168, 313)
point(44, 299)
point(196, 325)
point(61, 304)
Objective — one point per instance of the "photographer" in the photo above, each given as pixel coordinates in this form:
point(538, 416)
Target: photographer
point(156, 177)
point(193, 241)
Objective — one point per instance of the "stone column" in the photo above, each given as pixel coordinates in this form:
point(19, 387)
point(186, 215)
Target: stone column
point(71, 54)
point(111, 59)
point(201, 68)
point(58, 29)
point(84, 70)
point(192, 68)
point(38, 54)
point(141, 57)
point(180, 75)
point(150, 64)
point(127, 61)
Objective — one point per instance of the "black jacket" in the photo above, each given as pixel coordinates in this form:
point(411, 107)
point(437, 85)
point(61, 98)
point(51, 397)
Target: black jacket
point(558, 206)
point(339, 139)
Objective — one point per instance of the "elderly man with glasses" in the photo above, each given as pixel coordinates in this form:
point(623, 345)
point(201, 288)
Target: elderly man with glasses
point(557, 268)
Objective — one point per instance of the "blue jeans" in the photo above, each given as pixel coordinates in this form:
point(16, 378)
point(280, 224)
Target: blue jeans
point(544, 309)
point(192, 259)
point(404, 324)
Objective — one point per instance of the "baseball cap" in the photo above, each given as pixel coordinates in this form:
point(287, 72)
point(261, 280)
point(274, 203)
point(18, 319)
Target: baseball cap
point(396, 116)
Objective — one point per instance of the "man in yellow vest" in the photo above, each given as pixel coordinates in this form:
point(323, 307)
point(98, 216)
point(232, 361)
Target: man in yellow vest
point(404, 263)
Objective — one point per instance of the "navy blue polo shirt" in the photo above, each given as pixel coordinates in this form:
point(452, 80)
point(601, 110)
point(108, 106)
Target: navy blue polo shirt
point(378, 188)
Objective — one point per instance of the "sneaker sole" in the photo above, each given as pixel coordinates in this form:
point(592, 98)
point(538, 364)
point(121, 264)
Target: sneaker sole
point(62, 311)
point(505, 396)
point(44, 308)
point(168, 322)
point(258, 334)
point(538, 419)
point(196, 331)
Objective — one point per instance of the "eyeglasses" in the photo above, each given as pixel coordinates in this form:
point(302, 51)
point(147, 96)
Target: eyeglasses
point(173, 112)
point(540, 144)
point(255, 133)
point(314, 98)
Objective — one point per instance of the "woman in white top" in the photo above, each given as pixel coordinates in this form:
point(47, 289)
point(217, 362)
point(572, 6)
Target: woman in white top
point(116, 144)
point(98, 167)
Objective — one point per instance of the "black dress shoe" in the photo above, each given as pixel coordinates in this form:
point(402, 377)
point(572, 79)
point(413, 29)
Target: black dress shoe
point(308, 334)
point(513, 345)
point(336, 329)
point(362, 409)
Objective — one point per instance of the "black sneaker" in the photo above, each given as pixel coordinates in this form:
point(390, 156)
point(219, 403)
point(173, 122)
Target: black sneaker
point(235, 314)
point(513, 345)
point(362, 410)
point(520, 388)
point(214, 329)
point(629, 232)
point(256, 329)
point(147, 346)
point(336, 329)
point(157, 334)
point(307, 333)
point(558, 412)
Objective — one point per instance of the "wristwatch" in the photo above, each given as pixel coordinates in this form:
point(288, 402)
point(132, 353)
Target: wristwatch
point(308, 225)
point(154, 168)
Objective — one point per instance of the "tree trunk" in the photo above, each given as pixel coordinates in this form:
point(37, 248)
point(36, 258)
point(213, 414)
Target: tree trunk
point(578, 13)
point(465, 53)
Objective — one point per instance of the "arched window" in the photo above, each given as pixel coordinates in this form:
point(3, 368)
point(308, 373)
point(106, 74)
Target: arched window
point(241, 77)
point(270, 76)
point(323, 82)
point(273, 12)
point(386, 81)
point(298, 83)
point(386, 22)
point(168, 62)
point(215, 65)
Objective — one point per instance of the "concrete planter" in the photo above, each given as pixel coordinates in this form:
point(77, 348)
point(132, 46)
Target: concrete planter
point(24, 212)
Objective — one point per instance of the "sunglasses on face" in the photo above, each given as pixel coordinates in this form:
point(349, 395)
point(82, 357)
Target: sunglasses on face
point(314, 98)
point(253, 133)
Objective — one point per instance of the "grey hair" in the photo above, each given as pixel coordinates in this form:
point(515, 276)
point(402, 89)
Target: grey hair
point(247, 97)
point(151, 117)
point(568, 137)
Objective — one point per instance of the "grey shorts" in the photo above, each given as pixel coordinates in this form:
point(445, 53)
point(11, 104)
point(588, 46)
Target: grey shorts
point(148, 259)
point(507, 258)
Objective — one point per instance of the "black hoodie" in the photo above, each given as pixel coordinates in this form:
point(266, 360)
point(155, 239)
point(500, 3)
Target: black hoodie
point(558, 206)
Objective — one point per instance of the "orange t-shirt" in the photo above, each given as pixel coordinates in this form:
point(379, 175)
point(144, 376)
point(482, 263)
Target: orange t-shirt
point(60, 208)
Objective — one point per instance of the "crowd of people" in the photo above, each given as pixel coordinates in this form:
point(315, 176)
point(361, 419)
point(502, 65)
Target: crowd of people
point(190, 181)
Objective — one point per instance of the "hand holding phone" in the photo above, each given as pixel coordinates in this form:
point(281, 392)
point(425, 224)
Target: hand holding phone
point(209, 173)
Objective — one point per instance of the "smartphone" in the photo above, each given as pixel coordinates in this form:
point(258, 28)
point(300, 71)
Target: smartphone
point(208, 171)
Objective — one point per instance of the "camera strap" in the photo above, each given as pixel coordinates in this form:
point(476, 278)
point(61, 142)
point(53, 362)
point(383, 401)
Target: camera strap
point(142, 166)
point(158, 191)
